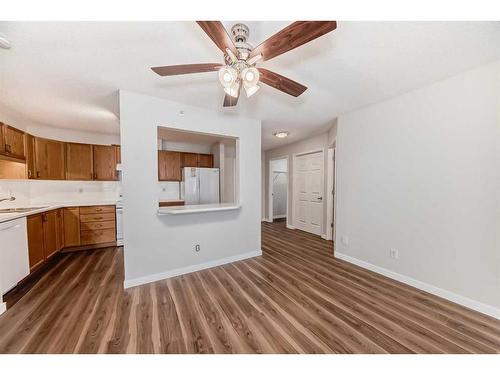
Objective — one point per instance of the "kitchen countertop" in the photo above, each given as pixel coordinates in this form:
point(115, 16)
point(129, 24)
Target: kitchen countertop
point(197, 208)
point(44, 207)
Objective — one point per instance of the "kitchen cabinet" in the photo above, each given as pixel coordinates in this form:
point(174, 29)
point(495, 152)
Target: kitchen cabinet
point(29, 151)
point(2, 139)
point(50, 235)
point(59, 229)
point(79, 163)
point(12, 142)
point(205, 161)
point(45, 236)
point(169, 166)
point(189, 160)
point(97, 225)
point(49, 159)
point(104, 159)
point(35, 240)
point(71, 221)
point(118, 151)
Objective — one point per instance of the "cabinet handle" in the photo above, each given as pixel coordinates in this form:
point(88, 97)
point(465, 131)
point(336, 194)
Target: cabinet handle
point(98, 209)
point(29, 173)
point(37, 174)
point(7, 148)
point(95, 176)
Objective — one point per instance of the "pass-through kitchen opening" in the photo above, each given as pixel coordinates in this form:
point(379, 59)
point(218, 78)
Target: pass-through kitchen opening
point(196, 169)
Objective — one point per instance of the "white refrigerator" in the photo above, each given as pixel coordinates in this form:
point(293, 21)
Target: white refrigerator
point(201, 185)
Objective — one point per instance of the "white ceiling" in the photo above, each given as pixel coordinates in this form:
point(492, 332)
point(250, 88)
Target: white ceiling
point(66, 74)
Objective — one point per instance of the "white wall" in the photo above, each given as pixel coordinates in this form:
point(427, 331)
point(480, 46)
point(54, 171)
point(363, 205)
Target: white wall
point(314, 143)
point(161, 246)
point(420, 173)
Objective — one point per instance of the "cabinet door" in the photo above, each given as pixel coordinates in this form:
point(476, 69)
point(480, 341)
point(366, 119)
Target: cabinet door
point(118, 151)
point(50, 241)
point(78, 161)
point(13, 142)
point(49, 159)
point(35, 240)
point(104, 163)
point(30, 156)
point(71, 218)
point(169, 166)
point(2, 139)
point(189, 159)
point(59, 229)
point(206, 161)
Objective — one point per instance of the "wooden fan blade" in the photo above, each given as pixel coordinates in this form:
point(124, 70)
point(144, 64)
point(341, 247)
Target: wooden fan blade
point(216, 31)
point(281, 83)
point(293, 36)
point(231, 101)
point(173, 70)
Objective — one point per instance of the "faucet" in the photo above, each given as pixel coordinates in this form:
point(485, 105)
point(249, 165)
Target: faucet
point(11, 198)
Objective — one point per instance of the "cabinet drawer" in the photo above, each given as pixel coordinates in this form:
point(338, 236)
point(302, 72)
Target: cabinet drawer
point(96, 209)
point(94, 225)
point(90, 237)
point(106, 216)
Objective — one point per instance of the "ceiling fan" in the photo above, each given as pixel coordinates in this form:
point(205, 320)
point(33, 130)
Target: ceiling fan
point(240, 58)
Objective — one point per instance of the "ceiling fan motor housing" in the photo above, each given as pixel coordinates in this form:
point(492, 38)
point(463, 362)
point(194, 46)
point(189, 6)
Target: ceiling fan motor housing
point(240, 34)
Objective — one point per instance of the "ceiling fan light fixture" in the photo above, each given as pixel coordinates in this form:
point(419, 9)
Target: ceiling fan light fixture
point(250, 90)
point(233, 90)
point(250, 76)
point(227, 76)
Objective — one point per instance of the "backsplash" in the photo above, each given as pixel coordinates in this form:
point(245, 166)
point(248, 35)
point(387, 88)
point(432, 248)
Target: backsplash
point(32, 192)
point(168, 190)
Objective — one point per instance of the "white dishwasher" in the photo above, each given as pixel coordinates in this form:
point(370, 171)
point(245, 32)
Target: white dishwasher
point(14, 261)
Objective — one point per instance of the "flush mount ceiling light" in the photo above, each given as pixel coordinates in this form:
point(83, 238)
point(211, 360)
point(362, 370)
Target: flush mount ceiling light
point(240, 57)
point(281, 134)
point(4, 42)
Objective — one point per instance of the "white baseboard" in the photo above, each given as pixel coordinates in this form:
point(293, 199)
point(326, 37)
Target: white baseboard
point(181, 271)
point(450, 296)
point(323, 236)
point(3, 307)
point(267, 220)
point(289, 226)
point(279, 217)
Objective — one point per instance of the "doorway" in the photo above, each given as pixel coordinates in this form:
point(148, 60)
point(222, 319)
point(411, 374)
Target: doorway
point(309, 188)
point(278, 189)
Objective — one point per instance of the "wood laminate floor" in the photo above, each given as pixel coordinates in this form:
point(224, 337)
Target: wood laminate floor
point(296, 298)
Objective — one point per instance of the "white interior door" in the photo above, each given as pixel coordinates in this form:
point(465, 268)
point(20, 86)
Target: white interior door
point(309, 192)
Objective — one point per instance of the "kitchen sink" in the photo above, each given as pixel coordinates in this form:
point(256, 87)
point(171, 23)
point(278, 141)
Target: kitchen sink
point(19, 209)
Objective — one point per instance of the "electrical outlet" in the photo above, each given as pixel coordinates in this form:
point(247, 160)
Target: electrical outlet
point(197, 248)
point(344, 240)
point(394, 254)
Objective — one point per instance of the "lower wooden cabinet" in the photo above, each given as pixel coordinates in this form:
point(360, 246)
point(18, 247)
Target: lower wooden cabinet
point(35, 241)
point(72, 227)
point(45, 236)
point(71, 220)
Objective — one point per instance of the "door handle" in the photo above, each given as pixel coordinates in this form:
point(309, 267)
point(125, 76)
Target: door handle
point(320, 198)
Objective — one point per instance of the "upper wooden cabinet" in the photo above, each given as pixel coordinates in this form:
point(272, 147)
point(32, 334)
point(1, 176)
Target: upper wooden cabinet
point(205, 161)
point(118, 151)
point(49, 159)
point(169, 166)
point(29, 150)
point(12, 143)
point(170, 163)
point(104, 163)
point(79, 164)
point(189, 159)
